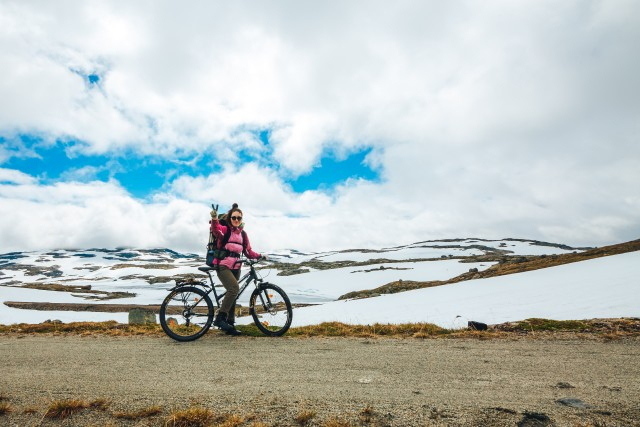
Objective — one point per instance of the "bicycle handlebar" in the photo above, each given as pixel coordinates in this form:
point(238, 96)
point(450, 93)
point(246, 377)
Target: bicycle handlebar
point(249, 261)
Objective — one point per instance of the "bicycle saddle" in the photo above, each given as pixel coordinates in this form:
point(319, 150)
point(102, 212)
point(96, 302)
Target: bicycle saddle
point(206, 269)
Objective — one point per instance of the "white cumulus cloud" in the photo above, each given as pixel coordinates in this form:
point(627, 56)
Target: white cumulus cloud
point(491, 119)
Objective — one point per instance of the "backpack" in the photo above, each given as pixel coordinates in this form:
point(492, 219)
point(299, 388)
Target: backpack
point(215, 247)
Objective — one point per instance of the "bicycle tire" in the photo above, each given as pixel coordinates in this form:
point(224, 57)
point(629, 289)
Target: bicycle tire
point(271, 310)
point(177, 320)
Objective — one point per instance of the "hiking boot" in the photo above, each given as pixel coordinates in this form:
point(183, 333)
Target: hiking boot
point(232, 323)
point(221, 322)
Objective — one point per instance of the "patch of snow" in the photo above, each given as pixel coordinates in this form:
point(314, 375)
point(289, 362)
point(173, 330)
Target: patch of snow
point(605, 287)
point(602, 287)
point(323, 285)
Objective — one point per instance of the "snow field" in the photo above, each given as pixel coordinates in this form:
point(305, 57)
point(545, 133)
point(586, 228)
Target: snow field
point(598, 288)
point(605, 287)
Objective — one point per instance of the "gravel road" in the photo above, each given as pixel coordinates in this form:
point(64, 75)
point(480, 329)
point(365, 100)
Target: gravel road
point(361, 381)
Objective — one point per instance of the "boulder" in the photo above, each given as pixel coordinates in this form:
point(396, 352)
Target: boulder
point(141, 316)
point(477, 326)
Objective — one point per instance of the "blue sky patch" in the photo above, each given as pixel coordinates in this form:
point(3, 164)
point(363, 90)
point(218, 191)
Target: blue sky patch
point(333, 171)
point(92, 79)
point(143, 175)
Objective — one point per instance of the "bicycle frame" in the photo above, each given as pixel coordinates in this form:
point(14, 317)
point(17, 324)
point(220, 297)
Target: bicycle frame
point(247, 278)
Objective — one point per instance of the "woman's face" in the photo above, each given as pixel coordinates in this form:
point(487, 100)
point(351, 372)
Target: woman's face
point(236, 218)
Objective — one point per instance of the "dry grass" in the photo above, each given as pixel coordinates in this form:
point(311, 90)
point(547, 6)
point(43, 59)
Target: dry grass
point(604, 328)
point(62, 409)
point(197, 416)
point(304, 417)
point(65, 408)
point(5, 408)
point(611, 328)
point(331, 329)
point(151, 411)
point(192, 417)
point(110, 328)
point(232, 420)
point(100, 404)
point(367, 415)
point(337, 329)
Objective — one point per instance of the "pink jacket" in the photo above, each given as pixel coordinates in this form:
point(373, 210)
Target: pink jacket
point(233, 245)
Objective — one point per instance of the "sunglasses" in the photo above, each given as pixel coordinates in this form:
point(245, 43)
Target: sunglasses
point(236, 218)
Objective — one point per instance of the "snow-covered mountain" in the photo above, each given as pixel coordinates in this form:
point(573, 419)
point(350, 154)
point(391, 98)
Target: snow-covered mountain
point(604, 287)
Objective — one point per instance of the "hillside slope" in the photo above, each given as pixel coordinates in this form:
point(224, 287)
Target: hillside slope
point(602, 287)
point(505, 265)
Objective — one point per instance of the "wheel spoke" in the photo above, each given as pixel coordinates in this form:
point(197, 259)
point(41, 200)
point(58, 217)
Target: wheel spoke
point(271, 310)
point(186, 314)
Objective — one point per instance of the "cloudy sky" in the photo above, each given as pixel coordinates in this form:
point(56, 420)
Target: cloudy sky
point(332, 124)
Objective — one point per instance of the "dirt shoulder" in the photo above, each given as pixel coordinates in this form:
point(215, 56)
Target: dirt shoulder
point(355, 381)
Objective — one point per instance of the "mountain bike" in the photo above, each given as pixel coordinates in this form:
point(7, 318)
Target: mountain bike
point(187, 312)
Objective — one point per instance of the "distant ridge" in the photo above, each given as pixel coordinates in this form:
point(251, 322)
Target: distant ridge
point(506, 265)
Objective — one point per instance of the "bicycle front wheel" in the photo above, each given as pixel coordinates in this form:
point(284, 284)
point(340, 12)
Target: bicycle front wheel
point(186, 313)
point(271, 310)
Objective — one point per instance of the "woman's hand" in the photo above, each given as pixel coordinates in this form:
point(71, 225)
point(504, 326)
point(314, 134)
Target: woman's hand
point(214, 212)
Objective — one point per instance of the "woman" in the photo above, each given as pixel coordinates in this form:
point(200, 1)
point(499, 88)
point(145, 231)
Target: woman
point(232, 243)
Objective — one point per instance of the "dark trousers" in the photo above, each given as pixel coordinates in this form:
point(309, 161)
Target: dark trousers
point(229, 279)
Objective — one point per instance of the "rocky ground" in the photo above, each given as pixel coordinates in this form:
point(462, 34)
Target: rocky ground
point(525, 381)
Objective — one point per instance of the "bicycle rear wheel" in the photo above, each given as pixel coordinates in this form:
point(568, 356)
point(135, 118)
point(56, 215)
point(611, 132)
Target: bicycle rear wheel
point(271, 310)
point(186, 313)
